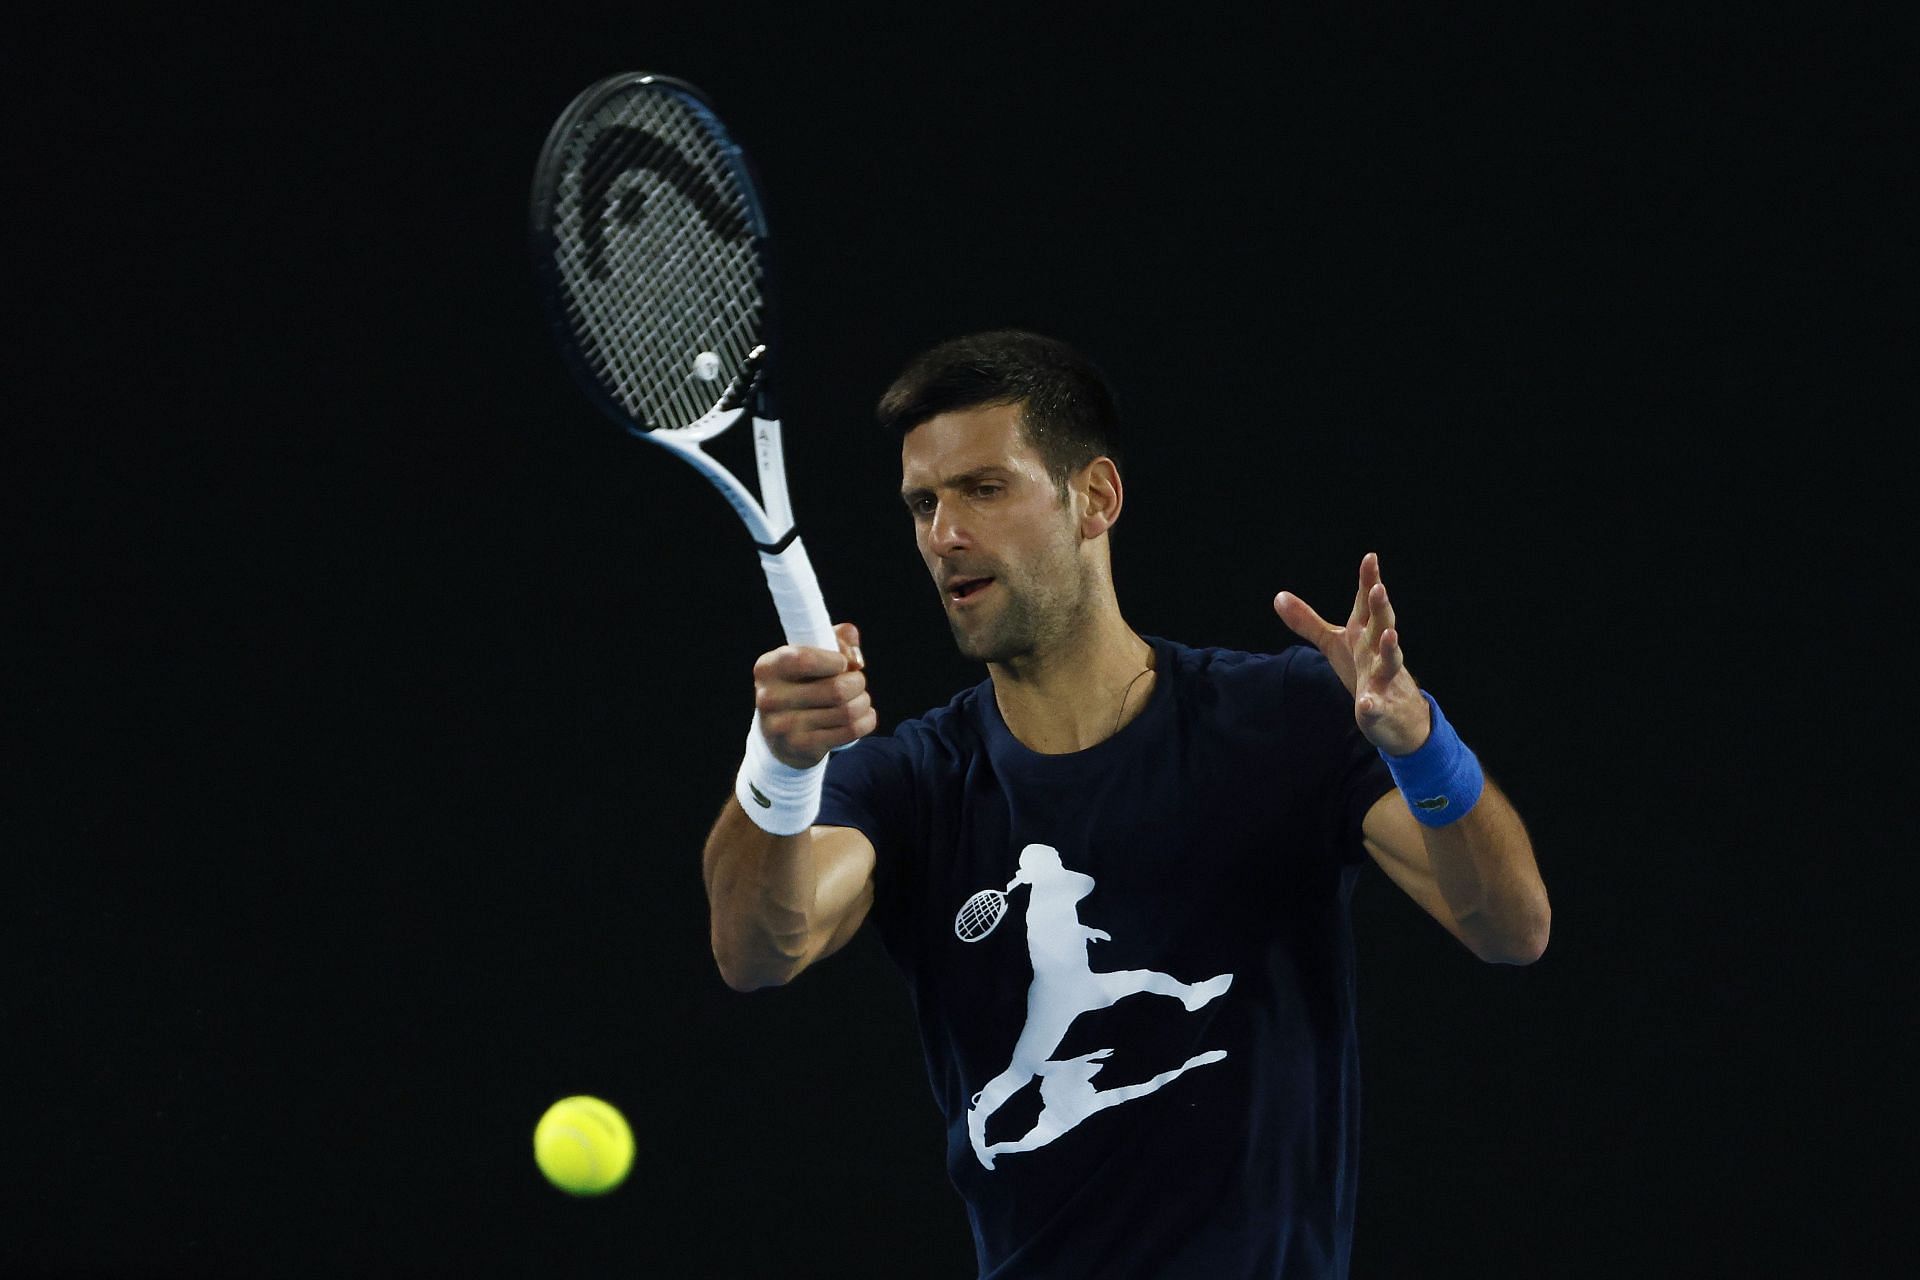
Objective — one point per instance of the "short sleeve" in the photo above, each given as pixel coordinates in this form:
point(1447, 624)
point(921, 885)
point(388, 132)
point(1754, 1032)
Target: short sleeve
point(1355, 773)
point(870, 786)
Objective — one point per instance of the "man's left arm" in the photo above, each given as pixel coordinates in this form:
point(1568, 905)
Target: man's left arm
point(1476, 875)
point(1467, 860)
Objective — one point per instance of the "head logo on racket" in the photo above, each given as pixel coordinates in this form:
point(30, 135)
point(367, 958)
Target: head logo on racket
point(629, 172)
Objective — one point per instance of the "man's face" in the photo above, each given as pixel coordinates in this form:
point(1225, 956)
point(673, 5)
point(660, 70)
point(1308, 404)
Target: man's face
point(1002, 547)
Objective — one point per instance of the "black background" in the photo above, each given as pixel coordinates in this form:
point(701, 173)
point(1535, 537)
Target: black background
point(372, 695)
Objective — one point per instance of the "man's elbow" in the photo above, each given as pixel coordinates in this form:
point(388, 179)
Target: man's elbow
point(746, 982)
point(744, 973)
point(1523, 946)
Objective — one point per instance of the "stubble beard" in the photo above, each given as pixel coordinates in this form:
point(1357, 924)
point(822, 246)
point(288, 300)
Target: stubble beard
point(1039, 612)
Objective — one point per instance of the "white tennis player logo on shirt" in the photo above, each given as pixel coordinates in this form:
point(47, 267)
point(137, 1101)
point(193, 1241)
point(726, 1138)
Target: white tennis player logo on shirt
point(1064, 987)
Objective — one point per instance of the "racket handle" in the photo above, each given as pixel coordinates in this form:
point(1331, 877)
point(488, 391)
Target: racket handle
point(796, 595)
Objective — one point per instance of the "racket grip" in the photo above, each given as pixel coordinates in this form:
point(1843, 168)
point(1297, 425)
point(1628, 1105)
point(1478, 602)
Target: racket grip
point(796, 595)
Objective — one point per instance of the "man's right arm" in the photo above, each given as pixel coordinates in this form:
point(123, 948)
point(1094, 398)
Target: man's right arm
point(778, 903)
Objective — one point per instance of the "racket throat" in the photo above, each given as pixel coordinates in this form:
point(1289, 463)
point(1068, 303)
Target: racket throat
point(775, 548)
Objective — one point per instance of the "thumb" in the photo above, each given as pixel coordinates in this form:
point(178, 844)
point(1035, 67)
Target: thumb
point(1305, 623)
point(849, 638)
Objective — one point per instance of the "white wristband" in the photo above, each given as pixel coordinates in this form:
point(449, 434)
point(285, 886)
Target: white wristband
point(778, 797)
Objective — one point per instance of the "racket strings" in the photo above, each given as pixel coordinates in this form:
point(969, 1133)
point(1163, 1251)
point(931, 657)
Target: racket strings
point(647, 343)
point(648, 152)
point(662, 268)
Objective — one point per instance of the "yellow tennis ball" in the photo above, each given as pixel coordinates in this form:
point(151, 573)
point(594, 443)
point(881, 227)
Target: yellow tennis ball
point(583, 1145)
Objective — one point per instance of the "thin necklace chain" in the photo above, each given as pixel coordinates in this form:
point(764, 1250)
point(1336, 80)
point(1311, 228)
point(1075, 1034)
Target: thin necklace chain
point(1147, 670)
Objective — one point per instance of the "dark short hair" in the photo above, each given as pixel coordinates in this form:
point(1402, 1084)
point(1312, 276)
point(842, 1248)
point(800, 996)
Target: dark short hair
point(1066, 406)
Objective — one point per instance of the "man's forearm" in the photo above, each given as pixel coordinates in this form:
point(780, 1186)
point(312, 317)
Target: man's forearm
point(760, 896)
point(1485, 870)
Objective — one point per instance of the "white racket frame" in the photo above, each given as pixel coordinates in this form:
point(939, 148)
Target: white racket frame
point(769, 518)
point(783, 558)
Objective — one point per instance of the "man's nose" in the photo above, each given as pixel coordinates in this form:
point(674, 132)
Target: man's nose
point(946, 534)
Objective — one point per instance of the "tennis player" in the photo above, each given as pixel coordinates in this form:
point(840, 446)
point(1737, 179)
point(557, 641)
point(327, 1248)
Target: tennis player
point(1143, 1036)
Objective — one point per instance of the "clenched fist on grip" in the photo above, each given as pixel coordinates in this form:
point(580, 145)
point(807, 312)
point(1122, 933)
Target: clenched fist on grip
point(811, 701)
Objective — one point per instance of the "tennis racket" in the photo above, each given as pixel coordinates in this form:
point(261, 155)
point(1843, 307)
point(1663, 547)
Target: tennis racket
point(650, 251)
point(981, 914)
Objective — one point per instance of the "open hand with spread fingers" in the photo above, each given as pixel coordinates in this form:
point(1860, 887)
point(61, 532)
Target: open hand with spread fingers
point(1366, 653)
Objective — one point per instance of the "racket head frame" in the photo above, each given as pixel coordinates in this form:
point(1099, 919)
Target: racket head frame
point(769, 517)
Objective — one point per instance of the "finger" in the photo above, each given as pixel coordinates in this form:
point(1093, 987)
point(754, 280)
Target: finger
point(1305, 623)
point(793, 695)
point(810, 720)
point(808, 732)
point(1392, 627)
point(1392, 660)
point(818, 742)
point(795, 662)
point(1383, 606)
point(1379, 615)
point(1387, 667)
point(1369, 574)
point(849, 638)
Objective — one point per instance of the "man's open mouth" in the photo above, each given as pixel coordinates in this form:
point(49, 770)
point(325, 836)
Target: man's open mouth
point(962, 588)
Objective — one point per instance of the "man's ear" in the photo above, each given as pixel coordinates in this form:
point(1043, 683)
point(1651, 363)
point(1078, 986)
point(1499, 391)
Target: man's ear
point(1101, 495)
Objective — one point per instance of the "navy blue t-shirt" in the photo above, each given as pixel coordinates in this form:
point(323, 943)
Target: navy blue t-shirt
point(1149, 1065)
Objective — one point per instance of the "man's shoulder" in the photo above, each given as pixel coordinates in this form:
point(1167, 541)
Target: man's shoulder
point(1256, 691)
point(1216, 664)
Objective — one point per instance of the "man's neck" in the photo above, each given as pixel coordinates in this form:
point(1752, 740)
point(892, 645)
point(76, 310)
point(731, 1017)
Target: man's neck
point(1076, 696)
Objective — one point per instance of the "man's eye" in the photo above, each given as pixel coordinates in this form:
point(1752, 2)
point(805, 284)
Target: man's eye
point(987, 490)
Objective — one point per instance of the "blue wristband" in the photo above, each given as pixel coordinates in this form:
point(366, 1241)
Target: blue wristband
point(1442, 780)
